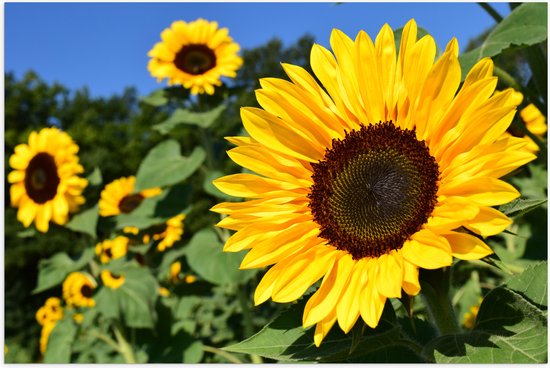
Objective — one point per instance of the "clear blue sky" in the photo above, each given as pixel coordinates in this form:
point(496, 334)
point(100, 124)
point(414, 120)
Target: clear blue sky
point(104, 46)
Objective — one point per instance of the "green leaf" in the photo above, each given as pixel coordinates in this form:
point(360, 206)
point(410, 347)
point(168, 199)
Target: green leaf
point(95, 178)
point(165, 166)
point(60, 342)
point(157, 209)
point(206, 257)
point(52, 271)
point(285, 339)
point(134, 301)
point(182, 116)
point(525, 26)
point(521, 206)
point(510, 327)
point(156, 98)
point(85, 221)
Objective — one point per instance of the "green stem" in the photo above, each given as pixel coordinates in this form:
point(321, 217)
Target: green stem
point(492, 12)
point(208, 146)
point(247, 315)
point(223, 353)
point(106, 339)
point(124, 347)
point(435, 292)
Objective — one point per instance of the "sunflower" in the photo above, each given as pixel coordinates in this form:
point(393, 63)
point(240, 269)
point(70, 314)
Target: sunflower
point(111, 280)
point(78, 290)
point(370, 177)
point(112, 248)
point(168, 233)
point(195, 54)
point(44, 181)
point(118, 197)
point(50, 311)
point(471, 315)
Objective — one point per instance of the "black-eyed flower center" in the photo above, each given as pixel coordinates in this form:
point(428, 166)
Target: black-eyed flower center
point(195, 59)
point(41, 178)
point(86, 291)
point(373, 189)
point(130, 202)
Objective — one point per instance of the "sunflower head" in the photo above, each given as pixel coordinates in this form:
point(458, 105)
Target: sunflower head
point(195, 54)
point(78, 290)
point(391, 164)
point(112, 248)
point(44, 181)
point(112, 280)
point(50, 311)
point(471, 315)
point(175, 270)
point(119, 197)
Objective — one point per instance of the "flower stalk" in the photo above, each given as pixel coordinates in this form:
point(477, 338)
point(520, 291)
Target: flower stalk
point(435, 292)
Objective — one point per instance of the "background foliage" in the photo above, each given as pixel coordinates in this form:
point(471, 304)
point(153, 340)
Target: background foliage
point(169, 139)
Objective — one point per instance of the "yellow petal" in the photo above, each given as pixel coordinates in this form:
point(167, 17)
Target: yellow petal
point(467, 247)
point(389, 277)
point(248, 185)
point(371, 301)
point(347, 309)
point(484, 191)
point(427, 250)
point(411, 285)
point(488, 222)
point(324, 300)
point(323, 327)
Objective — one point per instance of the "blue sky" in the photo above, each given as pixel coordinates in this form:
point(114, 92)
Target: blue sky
point(104, 46)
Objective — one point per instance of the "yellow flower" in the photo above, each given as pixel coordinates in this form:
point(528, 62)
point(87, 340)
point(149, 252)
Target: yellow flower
point(112, 280)
point(168, 234)
point(164, 292)
point(78, 290)
point(78, 317)
point(44, 180)
point(118, 197)
point(470, 317)
point(534, 120)
point(195, 54)
point(45, 335)
point(189, 279)
point(365, 180)
point(175, 269)
point(112, 248)
point(50, 311)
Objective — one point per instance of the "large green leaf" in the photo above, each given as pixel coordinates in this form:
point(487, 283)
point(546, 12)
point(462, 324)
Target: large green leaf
point(182, 116)
point(60, 342)
point(206, 257)
point(525, 26)
point(52, 271)
point(511, 326)
point(95, 178)
point(156, 98)
point(164, 165)
point(85, 222)
point(158, 209)
point(134, 301)
point(285, 339)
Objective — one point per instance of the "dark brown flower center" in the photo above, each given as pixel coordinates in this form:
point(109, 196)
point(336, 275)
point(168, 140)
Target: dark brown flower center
point(86, 291)
point(373, 189)
point(195, 59)
point(114, 276)
point(130, 202)
point(41, 178)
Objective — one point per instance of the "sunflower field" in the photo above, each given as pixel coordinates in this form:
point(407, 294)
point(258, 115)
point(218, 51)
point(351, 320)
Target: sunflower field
point(382, 200)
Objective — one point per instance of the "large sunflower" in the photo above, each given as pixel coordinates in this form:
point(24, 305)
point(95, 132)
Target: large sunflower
point(370, 177)
point(118, 197)
point(195, 54)
point(44, 181)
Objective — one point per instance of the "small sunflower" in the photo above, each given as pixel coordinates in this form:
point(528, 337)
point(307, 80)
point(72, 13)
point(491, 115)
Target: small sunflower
point(175, 270)
point(195, 54)
point(112, 248)
point(471, 315)
point(118, 197)
point(370, 177)
point(50, 311)
point(167, 234)
point(112, 280)
point(44, 180)
point(78, 290)
point(534, 121)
